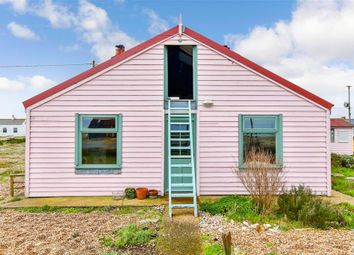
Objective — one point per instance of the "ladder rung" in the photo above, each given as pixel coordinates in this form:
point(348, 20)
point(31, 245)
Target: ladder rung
point(181, 175)
point(182, 195)
point(179, 115)
point(180, 139)
point(179, 131)
point(183, 205)
point(181, 165)
point(180, 147)
point(179, 123)
point(181, 156)
point(182, 185)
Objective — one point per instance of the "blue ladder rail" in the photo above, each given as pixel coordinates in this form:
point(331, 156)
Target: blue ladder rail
point(180, 130)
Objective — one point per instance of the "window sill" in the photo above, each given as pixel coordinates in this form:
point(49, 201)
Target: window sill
point(97, 171)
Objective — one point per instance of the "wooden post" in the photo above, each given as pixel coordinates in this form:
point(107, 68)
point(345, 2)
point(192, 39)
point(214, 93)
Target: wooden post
point(11, 184)
point(226, 239)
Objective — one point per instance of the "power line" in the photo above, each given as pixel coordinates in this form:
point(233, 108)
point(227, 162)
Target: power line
point(47, 65)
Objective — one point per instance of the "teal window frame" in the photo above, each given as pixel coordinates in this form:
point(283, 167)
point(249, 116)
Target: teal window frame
point(278, 131)
point(78, 140)
point(333, 135)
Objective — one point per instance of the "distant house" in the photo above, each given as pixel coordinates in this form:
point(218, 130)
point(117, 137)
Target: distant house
point(176, 113)
point(12, 127)
point(341, 136)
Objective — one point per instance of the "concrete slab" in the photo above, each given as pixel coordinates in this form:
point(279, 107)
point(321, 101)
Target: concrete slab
point(92, 202)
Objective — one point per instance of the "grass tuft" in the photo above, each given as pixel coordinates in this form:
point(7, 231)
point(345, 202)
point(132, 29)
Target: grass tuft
point(131, 234)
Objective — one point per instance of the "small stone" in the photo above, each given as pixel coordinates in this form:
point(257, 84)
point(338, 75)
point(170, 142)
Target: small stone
point(260, 228)
point(245, 223)
point(267, 226)
point(149, 221)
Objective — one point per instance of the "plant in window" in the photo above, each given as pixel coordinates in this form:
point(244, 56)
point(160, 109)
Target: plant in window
point(261, 177)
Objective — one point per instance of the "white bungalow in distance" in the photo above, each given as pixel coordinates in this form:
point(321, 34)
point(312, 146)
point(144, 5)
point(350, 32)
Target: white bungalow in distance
point(12, 127)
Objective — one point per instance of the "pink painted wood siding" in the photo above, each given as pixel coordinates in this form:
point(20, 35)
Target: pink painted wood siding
point(135, 89)
point(235, 90)
point(342, 147)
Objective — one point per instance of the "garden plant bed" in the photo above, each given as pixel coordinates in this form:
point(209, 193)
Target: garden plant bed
point(70, 230)
point(247, 240)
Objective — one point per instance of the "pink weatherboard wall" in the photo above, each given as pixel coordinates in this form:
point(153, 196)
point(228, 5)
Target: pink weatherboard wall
point(339, 147)
point(134, 89)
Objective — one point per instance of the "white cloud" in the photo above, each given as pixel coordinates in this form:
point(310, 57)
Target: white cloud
point(21, 31)
point(38, 81)
point(58, 15)
point(10, 85)
point(22, 82)
point(96, 28)
point(91, 22)
point(20, 6)
point(314, 49)
point(156, 24)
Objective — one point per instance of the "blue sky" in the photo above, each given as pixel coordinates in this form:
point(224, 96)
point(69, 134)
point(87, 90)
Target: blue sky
point(291, 38)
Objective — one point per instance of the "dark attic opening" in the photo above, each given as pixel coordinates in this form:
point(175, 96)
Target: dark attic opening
point(180, 71)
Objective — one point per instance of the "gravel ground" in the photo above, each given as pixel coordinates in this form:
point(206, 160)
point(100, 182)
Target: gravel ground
point(59, 233)
point(248, 240)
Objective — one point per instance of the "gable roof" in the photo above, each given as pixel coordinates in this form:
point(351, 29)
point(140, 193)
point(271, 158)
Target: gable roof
point(340, 122)
point(11, 122)
point(165, 35)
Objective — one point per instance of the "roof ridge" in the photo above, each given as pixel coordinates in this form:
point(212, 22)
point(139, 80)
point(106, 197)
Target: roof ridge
point(189, 32)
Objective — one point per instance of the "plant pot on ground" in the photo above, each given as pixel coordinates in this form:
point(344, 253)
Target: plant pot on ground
point(141, 193)
point(130, 193)
point(153, 193)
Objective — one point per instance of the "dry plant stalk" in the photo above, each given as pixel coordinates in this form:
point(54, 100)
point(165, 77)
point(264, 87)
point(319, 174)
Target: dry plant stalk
point(262, 178)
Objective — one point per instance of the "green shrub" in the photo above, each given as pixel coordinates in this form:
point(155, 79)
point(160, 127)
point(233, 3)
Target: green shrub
point(321, 214)
point(299, 204)
point(130, 193)
point(131, 234)
point(291, 202)
point(12, 140)
point(241, 205)
point(347, 211)
point(213, 249)
point(342, 160)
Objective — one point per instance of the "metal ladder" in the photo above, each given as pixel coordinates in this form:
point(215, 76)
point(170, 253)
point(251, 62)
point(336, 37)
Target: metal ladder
point(181, 164)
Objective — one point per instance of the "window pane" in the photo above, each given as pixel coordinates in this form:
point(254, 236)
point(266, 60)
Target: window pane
point(98, 122)
point(15, 130)
point(259, 141)
point(343, 136)
point(259, 122)
point(99, 148)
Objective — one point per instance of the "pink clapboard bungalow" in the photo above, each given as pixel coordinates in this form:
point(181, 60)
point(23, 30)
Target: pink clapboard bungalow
point(176, 113)
point(341, 136)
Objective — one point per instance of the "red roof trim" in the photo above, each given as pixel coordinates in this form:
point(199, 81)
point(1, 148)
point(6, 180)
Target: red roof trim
point(258, 68)
point(340, 122)
point(163, 36)
point(100, 67)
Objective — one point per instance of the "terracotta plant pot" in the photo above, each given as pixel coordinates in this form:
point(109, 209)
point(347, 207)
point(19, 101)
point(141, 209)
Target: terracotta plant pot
point(141, 193)
point(153, 193)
